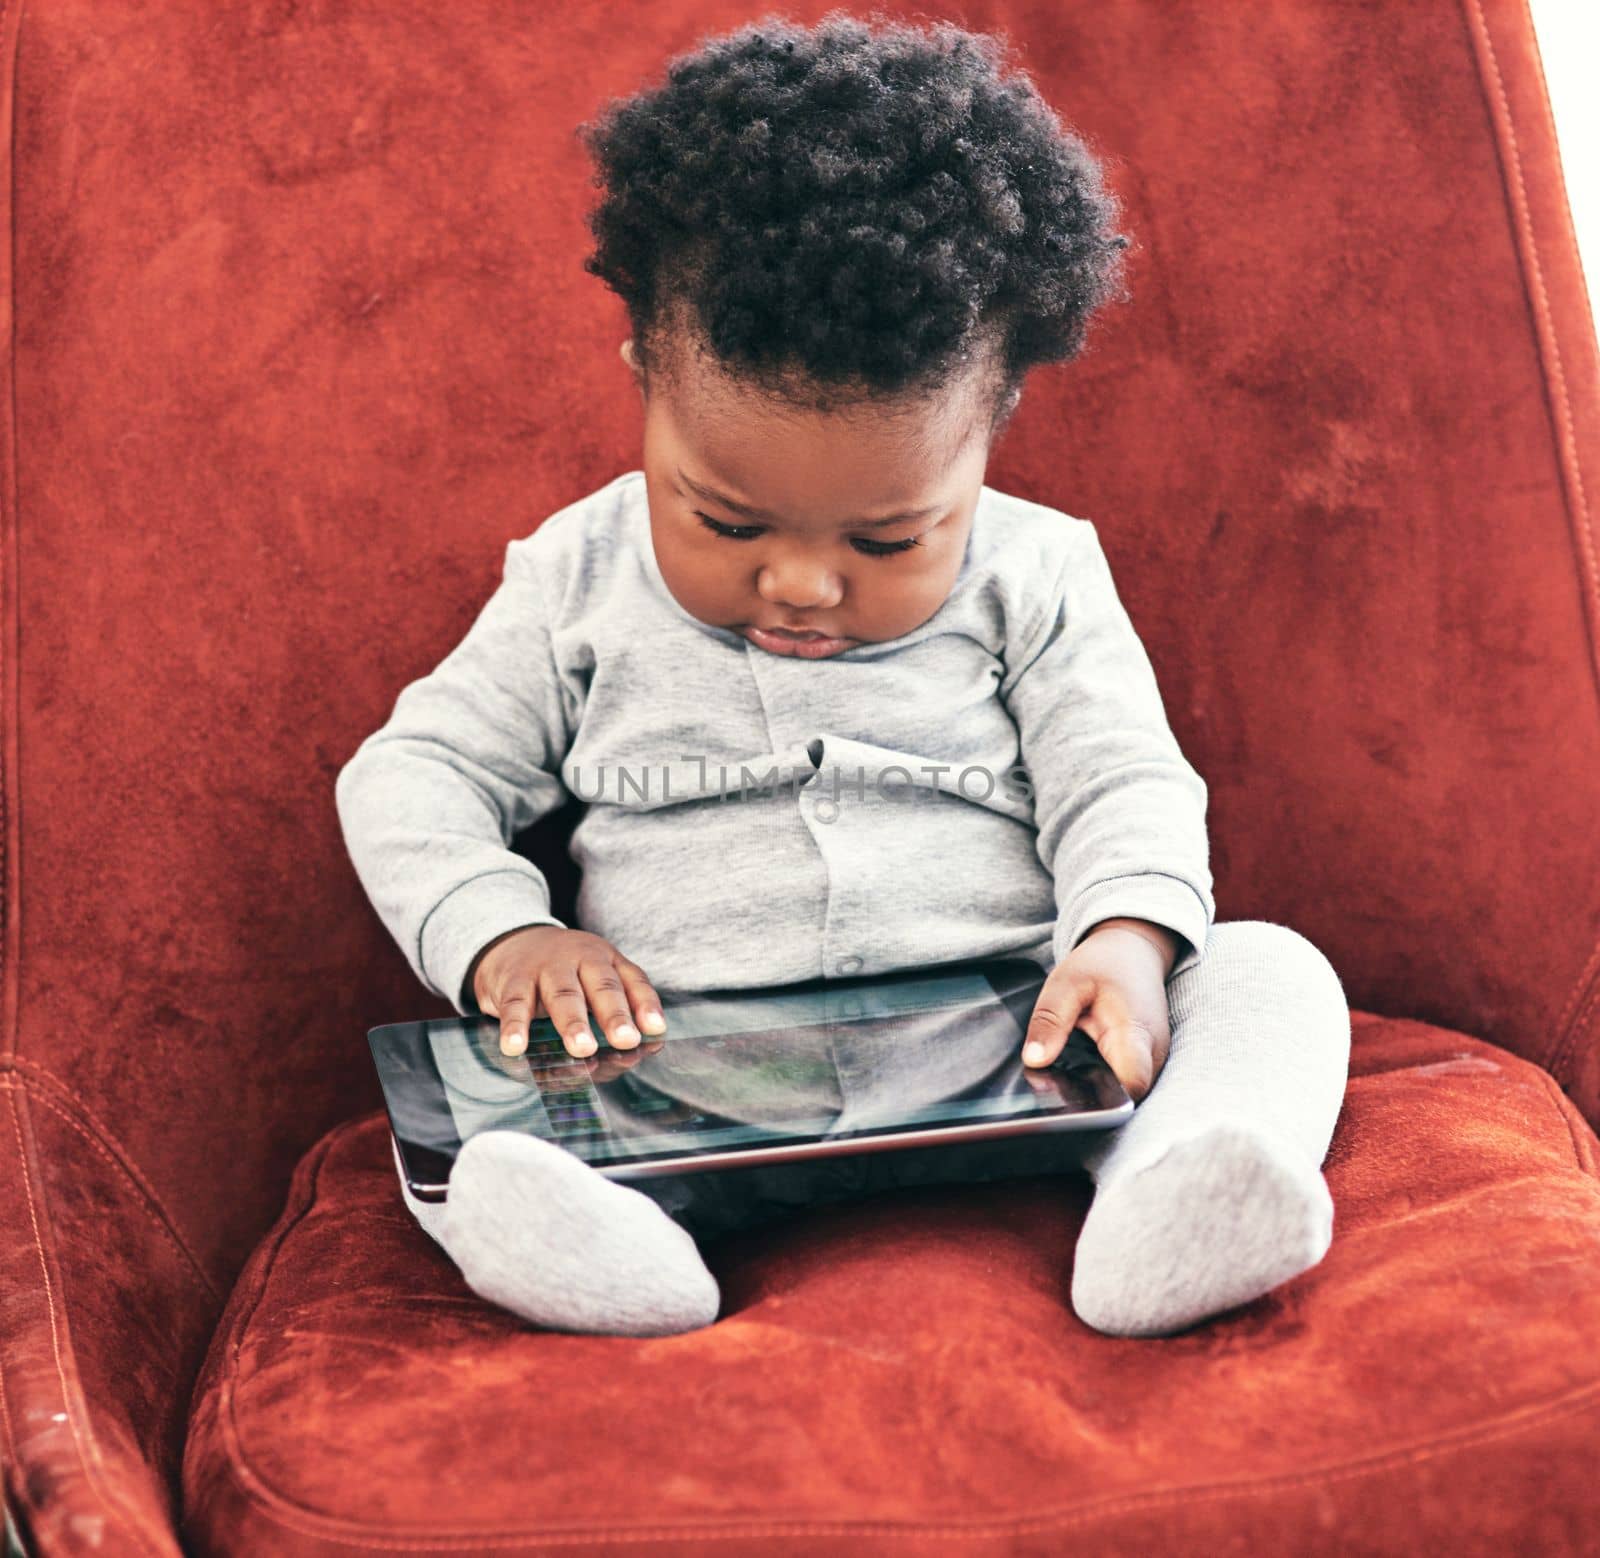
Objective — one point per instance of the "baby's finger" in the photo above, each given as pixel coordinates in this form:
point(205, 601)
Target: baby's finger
point(1055, 1014)
point(515, 1010)
point(1128, 1048)
point(564, 1000)
point(642, 997)
point(608, 1001)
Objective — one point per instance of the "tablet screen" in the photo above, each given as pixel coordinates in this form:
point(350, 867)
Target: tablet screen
point(828, 1060)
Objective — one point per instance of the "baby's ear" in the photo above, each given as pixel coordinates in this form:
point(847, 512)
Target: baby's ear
point(633, 366)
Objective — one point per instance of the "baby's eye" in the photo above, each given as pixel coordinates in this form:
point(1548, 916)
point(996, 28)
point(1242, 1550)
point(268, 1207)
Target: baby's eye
point(732, 532)
point(871, 548)
point(863, 544)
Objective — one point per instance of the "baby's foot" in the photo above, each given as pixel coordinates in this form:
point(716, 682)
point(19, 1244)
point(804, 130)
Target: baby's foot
point(1218, 1219)
point(537, 1230)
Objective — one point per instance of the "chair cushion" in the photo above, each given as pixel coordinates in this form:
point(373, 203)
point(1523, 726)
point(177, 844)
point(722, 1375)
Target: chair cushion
point(907, 1369)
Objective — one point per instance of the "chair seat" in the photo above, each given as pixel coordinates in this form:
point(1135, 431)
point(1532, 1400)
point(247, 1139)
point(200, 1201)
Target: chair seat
point(906, 1372)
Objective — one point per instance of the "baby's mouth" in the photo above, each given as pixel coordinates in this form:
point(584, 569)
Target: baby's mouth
point(806, 646)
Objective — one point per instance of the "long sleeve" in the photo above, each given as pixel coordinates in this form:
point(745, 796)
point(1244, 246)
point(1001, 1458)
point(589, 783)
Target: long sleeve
point(1120, 812)
point(470, 757)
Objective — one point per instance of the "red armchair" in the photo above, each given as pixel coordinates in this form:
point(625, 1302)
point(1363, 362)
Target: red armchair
point(296, 330)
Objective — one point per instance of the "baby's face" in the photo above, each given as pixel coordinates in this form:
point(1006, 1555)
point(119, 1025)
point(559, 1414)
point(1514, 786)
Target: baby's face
point(762, 516)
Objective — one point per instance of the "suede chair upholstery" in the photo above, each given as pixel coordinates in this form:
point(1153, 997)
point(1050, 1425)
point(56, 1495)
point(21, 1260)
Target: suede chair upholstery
point(297, 337)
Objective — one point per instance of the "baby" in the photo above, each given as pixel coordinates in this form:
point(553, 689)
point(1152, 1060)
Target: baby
point(836, 706)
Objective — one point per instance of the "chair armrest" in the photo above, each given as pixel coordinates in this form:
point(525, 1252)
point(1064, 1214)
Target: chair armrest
point(104, 1319)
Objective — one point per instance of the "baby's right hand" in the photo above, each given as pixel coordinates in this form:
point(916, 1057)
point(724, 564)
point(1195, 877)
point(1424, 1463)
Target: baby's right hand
point(558, 968)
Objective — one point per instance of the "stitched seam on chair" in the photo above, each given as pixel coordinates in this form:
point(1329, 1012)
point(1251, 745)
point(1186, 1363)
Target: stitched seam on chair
point(1578, 516)
point(327, 1529)
point(91, 1461)
point(1581, 1006)
point(1564, 1107)
point(310, 1522)
point(112, 1151)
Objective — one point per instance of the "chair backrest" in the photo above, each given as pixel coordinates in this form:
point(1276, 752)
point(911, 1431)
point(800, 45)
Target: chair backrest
point(301, 338)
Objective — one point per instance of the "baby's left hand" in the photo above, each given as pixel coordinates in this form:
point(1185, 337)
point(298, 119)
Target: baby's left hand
point(1113, 985)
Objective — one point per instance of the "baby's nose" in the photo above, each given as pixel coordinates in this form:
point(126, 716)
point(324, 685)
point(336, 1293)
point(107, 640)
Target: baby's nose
point(798, 584)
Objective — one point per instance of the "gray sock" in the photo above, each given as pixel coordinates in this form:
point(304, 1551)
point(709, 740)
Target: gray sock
point(1212, 1193)
point(536, 1230)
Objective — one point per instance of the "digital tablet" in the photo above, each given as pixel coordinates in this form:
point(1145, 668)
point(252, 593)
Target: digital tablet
point(865, 1064)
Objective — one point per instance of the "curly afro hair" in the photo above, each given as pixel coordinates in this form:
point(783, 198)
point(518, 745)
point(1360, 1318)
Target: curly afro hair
point(839, 213)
